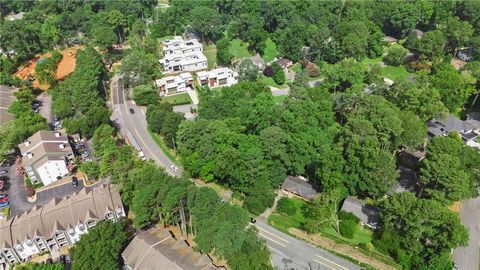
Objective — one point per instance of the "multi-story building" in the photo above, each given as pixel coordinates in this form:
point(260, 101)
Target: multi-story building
point(182, 55)
point(59, 223)
point(218, 77)
point(46, 156)
point(174, 84)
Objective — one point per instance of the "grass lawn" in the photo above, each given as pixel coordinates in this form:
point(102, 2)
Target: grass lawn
point(159, 141)
point(279, 99)
point(268, 81)
point(297, 67)
point(391, 72)
point(362, 235)
point(283, 222)
point(270, 51)
point(179, 99)
point(210, 52)
point(165, 37)
point(239, 49)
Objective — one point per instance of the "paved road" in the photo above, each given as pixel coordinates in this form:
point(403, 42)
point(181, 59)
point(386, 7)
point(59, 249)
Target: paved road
point(289, 253)
point(6, 97)
point(467, 258)
point(135, 125)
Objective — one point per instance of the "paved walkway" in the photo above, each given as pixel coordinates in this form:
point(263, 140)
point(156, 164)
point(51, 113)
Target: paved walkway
point(193, 95)
point(467, 258)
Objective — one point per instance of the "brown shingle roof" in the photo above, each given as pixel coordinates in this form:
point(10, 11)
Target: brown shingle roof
point(158, 247)
point(299, 187)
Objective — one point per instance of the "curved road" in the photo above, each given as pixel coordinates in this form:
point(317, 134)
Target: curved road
point(288, 253)
point(135, 125)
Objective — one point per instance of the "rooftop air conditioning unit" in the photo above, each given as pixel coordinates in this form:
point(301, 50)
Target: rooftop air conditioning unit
point(27, 143)
point(29, 154)
point(57, 134)
point(61, 146)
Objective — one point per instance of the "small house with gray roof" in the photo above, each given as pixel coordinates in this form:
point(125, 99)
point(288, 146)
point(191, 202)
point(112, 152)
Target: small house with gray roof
point(443, 126)
point(368, 214)
point(300, 187)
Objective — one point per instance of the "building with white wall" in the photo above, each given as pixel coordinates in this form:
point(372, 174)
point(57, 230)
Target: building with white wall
point(174, 84)
point(46, 156)
point(182, 55)
point(219, 77)
point(59, 223)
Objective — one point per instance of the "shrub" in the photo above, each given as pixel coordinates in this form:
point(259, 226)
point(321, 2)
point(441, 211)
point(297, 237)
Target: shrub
point(286, 206)
point(344, 216)
point(312, 69)
point(278, 74)
point(395, 55)
point(268, 71)
point(348, 228)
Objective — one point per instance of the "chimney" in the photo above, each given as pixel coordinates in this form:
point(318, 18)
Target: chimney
point(61, 146)
point(57, 134)
point(27, 143)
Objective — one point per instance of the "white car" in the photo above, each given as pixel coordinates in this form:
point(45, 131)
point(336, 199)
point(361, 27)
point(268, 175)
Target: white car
point(142, 155)
point(174, 168)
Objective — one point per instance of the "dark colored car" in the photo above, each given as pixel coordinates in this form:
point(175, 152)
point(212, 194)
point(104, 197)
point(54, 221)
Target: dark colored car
point(252, 220)
point(74, 181)
point(132, 111)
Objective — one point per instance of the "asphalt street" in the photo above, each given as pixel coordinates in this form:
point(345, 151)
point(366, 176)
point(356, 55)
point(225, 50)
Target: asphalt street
point(289, 253)
point(467, 258)
point(135, 125)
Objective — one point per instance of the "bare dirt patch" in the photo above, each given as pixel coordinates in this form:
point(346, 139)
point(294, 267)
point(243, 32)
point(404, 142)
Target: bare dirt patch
point(65, 67)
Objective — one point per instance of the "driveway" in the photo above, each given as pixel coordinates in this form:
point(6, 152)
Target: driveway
point(185, 110)
point(467, 258)
point(46, 107)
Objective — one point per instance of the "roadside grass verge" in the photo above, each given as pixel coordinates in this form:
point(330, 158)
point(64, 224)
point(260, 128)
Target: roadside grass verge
point(159, 141)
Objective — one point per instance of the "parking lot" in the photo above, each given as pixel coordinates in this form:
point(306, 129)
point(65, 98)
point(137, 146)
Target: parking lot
point(6, 98)
point(45, 108)
point(18, 198)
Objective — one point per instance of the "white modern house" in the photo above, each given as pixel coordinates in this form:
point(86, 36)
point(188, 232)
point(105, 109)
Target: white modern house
point(219, 77)
point(182, 55)
point(174, 84)
point(59, 223)
point(46, 156)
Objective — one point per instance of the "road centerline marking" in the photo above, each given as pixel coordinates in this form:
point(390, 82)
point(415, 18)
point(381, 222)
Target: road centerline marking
point(334, 263)
point(275, 241)
point(274, 235)
point(328, 266)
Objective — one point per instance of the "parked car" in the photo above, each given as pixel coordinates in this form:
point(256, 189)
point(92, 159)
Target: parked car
point(174, 168)
point(142, 155)
point(3, 198)
point(63, 259)
point(3, 172)
point(252, 220)
point(74, 181)
point(4, 204)
point(2, 184)
point(131, 111)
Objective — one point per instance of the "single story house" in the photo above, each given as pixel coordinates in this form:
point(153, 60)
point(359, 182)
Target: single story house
point(368, 214)
point(300, 187)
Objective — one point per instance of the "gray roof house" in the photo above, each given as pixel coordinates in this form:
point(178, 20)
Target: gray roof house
point(300, 187)
point(443, 126)
point(368, 214)
point(158, 249)
point(258, 61)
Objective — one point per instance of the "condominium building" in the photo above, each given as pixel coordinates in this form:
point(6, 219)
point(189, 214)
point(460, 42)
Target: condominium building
point(46, 156)
point(182, 55)
point(218, 77)
point(174, 84)
point(59, 223)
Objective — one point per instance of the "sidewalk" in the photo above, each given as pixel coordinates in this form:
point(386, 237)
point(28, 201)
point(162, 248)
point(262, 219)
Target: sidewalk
point(193, 95)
